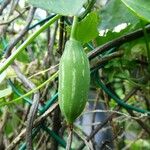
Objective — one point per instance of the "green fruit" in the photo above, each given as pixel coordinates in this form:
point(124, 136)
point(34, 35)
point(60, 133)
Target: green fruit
point(74, 80)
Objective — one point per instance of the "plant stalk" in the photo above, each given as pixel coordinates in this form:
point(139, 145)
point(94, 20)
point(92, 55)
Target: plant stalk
point(74, 27)
point(69, 140)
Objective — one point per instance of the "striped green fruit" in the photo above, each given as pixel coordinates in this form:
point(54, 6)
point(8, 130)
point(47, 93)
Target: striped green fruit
point(74, 80)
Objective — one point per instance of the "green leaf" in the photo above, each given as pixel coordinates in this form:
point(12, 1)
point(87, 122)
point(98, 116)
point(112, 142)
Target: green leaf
point(5, 92)
point(115, 13)
point(62, 7)
point(87, 28)
point(23, 57)
point(140, 7)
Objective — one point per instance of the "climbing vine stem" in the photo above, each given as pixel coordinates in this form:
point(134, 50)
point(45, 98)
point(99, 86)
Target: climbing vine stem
point(10, 59)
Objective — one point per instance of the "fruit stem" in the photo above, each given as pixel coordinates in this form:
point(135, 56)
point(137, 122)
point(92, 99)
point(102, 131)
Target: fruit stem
point(74, 27)
point(69, 139)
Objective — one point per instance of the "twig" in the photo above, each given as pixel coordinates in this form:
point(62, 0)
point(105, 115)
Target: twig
point(69, 140)
point(88, 9)
point(21, 34)
point(51, 43)
point(14, 6)
point(139, 136)
point(117, 112)
point(2, 126)
point(52, 69)
point(4, 5)
point(11, 20)
point(99, 127)
point(37, 122)
point(118, 42)
point(61, 35)
point(40, 141)
point(140, 122)
point(83, 137)
point(34, 107)
point(107, 58)
point(94, 107)
point(104, 144)
point(56, 125)
point(31, 117)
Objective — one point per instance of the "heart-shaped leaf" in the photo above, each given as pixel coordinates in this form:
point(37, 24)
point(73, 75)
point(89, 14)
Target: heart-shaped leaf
point(140, 7)
point(87, 29)
point(62, 7)
point(115, 13)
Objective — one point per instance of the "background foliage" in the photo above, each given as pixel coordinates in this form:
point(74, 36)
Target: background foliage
point(115, 36)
